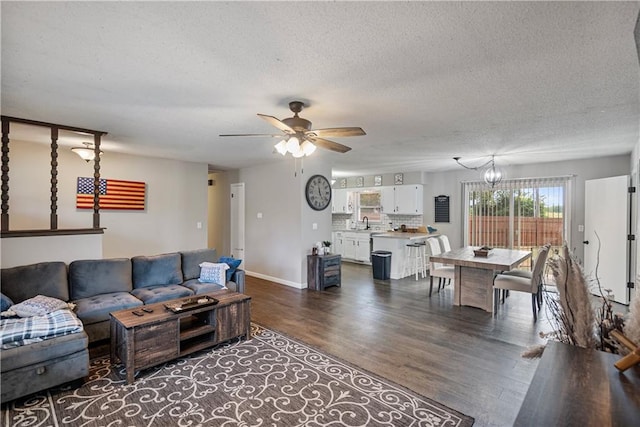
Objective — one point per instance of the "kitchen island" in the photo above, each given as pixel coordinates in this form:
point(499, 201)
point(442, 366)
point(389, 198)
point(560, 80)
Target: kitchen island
point(396, 242)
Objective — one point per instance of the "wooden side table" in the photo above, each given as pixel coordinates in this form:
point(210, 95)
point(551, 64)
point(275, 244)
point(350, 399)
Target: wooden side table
point(323, 271)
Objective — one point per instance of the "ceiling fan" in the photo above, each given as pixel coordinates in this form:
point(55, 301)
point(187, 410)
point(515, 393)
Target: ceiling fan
point(299, 139)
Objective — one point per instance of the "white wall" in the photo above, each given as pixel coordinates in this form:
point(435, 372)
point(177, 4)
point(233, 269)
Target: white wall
point(449, 183)
point(30, 250)
point(176, 199)
point(277, 244)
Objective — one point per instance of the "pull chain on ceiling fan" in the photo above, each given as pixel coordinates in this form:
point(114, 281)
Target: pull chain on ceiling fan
point(299, 139)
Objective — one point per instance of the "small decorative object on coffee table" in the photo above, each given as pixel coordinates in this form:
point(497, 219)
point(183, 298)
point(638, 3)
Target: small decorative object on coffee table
point(190, 303)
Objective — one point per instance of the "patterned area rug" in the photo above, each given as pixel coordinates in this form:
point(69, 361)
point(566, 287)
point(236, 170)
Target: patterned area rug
point(270, 380)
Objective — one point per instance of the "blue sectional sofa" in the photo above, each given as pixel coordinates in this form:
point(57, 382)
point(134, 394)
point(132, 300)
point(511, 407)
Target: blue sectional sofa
point(96, 287)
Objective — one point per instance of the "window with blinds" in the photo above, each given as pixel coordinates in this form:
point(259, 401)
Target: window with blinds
point(519, 213)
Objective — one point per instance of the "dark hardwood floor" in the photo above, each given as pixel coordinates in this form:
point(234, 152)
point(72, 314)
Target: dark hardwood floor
point(460, 356)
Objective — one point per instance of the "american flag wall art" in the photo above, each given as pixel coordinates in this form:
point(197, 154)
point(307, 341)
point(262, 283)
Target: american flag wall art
point(114, 194)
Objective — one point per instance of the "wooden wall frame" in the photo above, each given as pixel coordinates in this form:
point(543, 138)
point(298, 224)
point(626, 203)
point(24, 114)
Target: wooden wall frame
point(4, 197)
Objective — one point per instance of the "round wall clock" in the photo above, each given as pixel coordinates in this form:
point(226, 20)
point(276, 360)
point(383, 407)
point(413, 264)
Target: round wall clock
point(318, 192)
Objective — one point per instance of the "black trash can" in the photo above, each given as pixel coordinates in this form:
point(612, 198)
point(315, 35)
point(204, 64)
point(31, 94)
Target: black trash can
point(381, 263)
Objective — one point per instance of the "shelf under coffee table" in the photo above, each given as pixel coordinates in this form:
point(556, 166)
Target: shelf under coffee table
point(141, 342)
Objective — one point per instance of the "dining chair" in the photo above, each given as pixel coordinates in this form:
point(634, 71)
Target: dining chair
point(523, 281)
point(529, 273)
point(445, 246)
point(437, 269)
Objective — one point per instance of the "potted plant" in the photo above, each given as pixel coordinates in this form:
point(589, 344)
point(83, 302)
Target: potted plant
point(326, 244)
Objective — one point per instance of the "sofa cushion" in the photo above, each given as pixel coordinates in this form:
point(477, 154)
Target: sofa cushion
point(191, 261)
point(27, 281)
point(165, 269)
point(233, 264)
point(96, 308)
point(202, 288)
point(155, 294)
point(99, 276)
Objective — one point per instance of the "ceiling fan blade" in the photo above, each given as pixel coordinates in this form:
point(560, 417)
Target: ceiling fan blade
point(277, 123)
point(337, 132)
point(270, 135)
point(329, 145)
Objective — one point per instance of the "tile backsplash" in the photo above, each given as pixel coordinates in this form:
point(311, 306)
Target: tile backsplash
point(339, 221)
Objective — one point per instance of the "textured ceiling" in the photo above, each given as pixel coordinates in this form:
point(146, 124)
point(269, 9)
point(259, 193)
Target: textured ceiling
point(526, 81)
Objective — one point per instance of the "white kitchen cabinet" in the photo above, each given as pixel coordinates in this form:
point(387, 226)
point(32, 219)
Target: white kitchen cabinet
point(342, 201)
point(363, 249)
point(356, 247)
point(338, 243)
point(409, 199)
point(387, 199)
point(402, 199)
point(349, 247)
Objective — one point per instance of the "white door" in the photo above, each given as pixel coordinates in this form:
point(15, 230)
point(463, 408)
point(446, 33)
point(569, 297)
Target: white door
point(237, 221)
point(606, 219)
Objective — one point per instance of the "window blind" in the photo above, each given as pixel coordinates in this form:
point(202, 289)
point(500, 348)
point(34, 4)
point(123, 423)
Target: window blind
point(518, 213)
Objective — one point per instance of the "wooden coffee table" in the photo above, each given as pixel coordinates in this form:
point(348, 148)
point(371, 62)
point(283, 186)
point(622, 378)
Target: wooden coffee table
point(141, 342)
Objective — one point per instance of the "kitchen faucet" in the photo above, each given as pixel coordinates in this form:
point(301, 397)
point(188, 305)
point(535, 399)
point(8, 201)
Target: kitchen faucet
point(367, 218)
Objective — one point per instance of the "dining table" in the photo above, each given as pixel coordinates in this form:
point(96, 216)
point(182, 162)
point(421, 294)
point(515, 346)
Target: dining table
point(473, 277)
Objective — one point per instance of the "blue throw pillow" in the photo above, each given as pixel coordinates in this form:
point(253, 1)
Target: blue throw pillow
point(5, 303)
point(233, 265)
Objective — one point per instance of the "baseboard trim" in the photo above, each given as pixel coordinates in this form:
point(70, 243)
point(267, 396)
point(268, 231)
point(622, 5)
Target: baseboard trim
point(276, 280)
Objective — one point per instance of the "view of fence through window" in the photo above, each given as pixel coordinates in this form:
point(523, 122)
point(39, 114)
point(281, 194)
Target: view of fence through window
point(518, 214)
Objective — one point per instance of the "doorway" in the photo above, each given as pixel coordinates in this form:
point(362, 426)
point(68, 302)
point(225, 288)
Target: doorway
point(237, 221)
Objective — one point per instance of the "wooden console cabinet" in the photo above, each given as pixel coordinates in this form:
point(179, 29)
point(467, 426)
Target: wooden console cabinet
point(575, 386)
point(141, 342)
point(323, 271)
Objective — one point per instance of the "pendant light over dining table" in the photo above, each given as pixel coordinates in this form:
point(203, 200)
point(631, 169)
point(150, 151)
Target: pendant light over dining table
point(492, 175)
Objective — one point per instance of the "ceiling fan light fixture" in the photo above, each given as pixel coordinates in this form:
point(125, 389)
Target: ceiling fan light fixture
point(281, 147)
point(307, 148)
point(293, 145)
point(86, 153)
point(298, 153)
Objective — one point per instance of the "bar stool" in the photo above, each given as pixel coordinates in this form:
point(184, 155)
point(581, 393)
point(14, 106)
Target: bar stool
point(425, 257)
point(414, 260)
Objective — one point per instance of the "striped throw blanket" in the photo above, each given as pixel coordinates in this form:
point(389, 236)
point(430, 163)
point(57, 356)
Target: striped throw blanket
point(17, 331)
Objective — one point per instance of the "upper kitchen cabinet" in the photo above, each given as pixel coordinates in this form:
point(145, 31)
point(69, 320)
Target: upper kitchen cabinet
point(402, 199)
point(342, 201)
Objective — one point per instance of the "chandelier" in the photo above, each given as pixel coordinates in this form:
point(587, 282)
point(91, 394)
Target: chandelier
point(492, 175)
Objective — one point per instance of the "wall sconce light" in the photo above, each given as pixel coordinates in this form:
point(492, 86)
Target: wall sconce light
point(492, 175)
point(86, 153)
